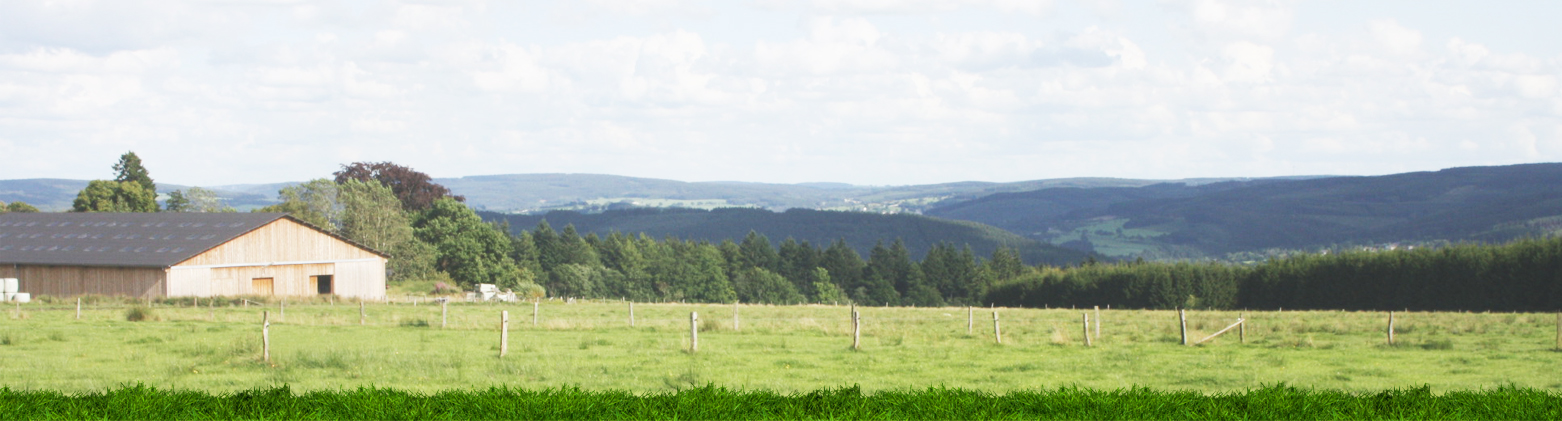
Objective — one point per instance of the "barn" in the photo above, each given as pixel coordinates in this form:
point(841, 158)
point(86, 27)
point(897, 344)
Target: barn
point(173, 254)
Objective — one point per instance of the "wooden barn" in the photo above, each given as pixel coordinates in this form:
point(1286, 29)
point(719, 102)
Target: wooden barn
point(183, 255)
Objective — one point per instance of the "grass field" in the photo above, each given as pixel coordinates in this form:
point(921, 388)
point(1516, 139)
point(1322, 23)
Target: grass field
point(320, 346)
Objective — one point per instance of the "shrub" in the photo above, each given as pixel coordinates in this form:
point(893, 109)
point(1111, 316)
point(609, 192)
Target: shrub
point(140, 314)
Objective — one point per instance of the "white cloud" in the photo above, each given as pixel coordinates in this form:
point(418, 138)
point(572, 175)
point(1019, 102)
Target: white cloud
point(1395, 38)
point(865, 91)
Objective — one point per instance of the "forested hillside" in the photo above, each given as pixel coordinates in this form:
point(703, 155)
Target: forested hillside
point(860, 231)
point(1525, 275)
point(1458, 204)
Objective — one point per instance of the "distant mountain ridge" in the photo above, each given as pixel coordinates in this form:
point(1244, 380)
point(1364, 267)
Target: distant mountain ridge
point(1172, 220)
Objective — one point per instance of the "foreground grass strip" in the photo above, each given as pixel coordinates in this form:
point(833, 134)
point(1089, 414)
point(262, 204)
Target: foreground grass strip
point(1273, 402)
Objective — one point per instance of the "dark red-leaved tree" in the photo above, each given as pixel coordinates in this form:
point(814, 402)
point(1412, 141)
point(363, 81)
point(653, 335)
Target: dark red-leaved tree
point(415, 189)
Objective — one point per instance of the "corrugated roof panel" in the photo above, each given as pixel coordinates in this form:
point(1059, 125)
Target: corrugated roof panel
point(119, 239)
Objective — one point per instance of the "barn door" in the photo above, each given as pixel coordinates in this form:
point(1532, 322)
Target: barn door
point(261, 286)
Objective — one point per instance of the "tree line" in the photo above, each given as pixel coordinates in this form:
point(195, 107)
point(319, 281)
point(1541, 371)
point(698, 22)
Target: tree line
point(1524, 275)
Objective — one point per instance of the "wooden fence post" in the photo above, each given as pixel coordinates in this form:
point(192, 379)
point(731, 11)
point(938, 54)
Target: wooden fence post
point(970, 320)
point(734, 316)
point(1098, 323)
point(444, 312)
point(535, 309)
point(362, 316)
point(997, 334)
point(1182, 320)
point(1559, 331)
point(694, 332)
point(265, 336)
point(78, 308)
point(504, 333)
point(1086, 317)
point(856, 329)
point(1242, 328)
point(1390, 328)
point(631, 314)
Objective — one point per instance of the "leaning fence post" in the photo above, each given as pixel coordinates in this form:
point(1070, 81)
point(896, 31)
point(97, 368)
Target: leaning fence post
point(997, 334)
point(694, 332)
point(504, 333)
point(265, 336)
point(1182, 321)
point(1391, 328)
point(1086, 317)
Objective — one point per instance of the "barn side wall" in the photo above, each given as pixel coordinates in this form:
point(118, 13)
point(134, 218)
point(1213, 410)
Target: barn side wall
point(62, 281)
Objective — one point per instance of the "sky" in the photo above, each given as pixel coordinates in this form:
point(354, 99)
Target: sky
point(870, 92)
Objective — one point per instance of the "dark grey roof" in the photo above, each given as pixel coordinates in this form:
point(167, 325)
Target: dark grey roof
point(119, 239)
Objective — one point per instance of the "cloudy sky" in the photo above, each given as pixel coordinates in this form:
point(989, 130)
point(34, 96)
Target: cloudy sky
point(860, 91)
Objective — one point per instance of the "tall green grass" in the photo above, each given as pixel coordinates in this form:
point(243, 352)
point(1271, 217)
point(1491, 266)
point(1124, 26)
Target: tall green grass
point(710, 402)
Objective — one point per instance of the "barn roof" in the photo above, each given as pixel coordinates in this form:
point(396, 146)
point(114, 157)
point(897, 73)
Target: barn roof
point(123, 239)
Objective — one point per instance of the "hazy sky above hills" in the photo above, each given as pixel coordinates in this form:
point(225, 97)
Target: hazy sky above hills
point(857, 91)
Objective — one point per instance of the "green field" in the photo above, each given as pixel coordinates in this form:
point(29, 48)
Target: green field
point(320, 346)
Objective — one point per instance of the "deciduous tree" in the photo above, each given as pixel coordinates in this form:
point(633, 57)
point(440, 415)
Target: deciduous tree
point(414, 189)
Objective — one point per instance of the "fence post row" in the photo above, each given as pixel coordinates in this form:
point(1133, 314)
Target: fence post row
point(504, 333)
point(694, 332)
point(1182, 321)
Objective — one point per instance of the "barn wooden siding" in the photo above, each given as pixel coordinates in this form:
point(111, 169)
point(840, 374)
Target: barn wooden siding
point(287, 252)
point(78, 280)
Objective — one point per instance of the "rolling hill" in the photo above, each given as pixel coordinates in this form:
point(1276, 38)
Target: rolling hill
point(1456, 204)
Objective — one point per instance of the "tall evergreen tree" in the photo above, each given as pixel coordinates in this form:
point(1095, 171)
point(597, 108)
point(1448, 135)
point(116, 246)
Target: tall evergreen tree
point(129, 169)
